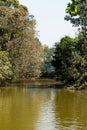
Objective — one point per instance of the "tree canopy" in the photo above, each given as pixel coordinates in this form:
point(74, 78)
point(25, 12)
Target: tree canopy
point(18, 37)
point(70, 56)
point(77, 14)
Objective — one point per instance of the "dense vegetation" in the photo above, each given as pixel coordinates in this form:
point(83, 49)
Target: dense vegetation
point(5, 67)
point(21, 53)
point(18, 42)
point(70, 57)
point(23, 56)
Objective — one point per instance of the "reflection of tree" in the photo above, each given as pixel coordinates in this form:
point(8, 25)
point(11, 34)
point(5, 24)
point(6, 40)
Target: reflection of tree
point(36, 109)
point(19, 109)
point(70, 109)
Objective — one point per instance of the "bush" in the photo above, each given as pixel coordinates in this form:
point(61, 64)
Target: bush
point(5, 67)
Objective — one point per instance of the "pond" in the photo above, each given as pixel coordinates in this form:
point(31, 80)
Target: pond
point(27, 108)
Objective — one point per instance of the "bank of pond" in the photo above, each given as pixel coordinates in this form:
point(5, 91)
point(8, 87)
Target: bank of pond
point(43, 83)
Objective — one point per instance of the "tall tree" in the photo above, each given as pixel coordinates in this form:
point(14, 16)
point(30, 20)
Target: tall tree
point(63, 59)
point(68, 61)
point(77, 14)
point(18, 36)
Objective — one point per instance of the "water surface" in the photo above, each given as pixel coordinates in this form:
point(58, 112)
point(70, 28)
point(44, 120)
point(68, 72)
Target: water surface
point(26, 108)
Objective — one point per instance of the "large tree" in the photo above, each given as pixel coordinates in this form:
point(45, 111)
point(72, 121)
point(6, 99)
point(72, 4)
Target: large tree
point(69, 62)
point(18, 36)
point(70, 57)
point(63, 59)
point(77, 14)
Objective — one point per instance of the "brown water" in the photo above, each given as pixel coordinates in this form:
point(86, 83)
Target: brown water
point(24, 108)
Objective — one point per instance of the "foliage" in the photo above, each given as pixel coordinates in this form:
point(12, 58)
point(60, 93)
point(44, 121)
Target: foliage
point(32, 58)
point(5, 67)
point(9, 3)
point(48, 53)
point(18, 37)
point(47, 68)
point(67, 60)
point(77, 15)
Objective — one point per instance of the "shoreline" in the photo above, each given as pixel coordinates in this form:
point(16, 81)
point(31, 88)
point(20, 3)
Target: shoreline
point(45, 83)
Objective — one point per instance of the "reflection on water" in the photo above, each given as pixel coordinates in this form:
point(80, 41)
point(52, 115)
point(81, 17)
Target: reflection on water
point(24, 108)
point(46, 120)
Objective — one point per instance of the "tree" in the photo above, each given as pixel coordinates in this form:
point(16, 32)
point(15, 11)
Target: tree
point(77, 15)
point(32, 58)
point(67, 60)
point(19, 40)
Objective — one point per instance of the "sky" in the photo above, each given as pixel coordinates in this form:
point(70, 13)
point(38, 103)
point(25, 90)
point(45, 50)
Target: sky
point(49, 15)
